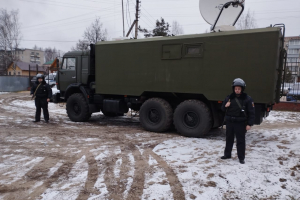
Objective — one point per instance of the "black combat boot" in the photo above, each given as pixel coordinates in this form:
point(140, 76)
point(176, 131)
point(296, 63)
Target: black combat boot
point(225, 157)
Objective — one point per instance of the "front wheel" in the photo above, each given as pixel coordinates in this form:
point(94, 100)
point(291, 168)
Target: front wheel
point(78, 108)
point(156, 115)
point(192, 118)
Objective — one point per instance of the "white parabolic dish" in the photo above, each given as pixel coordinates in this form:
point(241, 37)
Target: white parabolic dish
point(210, 10)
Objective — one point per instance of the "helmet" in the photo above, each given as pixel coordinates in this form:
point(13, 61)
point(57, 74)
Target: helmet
point(239, 82)
point(38, 76)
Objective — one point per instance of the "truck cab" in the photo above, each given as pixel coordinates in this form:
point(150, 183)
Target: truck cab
point(75, 71)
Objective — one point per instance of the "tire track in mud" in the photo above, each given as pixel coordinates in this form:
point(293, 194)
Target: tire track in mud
point(140, 166)
point(115, 132)
point(61, 173)
point(109, 177)
point(91, 178)
point(117, 185)
point(176, 186)
point(17, 190)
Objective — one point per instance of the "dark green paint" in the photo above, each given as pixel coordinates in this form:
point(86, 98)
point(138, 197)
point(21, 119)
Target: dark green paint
point(131, 67)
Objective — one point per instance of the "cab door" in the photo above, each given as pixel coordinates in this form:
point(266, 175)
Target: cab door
point(67, 73)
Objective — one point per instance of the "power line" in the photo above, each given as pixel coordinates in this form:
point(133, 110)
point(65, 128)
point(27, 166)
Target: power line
point(47, 40)
point(68, 18)
point(62, 4)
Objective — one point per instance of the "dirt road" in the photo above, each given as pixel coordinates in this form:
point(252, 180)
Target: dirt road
point(105, 158)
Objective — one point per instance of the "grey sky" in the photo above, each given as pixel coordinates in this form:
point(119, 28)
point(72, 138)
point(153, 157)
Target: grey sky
point(63, 22)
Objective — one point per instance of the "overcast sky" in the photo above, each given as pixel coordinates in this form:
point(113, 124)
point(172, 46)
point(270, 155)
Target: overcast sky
point(60, 23)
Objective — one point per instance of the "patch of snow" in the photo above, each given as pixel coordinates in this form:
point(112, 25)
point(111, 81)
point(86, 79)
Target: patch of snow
point(267, 172)
point(55, 90)
point(69, 188)
point(101, 187)
point(18, 168)
point(54, 169)
point(5, 156)
point(140, 149)
point(100, 183)
point(91, 139)
point(156, 183)
point(117, 168)
point(282, 116)
point(130, 174)
point(36, 185)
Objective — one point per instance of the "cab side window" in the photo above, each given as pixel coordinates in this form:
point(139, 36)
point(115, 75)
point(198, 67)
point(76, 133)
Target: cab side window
point(69, 64)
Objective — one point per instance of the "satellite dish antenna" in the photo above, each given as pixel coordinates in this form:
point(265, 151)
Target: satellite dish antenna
point(221, 12)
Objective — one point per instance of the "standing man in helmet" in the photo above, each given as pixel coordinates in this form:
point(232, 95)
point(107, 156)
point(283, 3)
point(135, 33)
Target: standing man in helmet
point(239, 116)
point(42, 93)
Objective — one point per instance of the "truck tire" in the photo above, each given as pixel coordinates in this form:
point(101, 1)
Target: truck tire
point(78, 108)
point(156, 115)
point(192, 118)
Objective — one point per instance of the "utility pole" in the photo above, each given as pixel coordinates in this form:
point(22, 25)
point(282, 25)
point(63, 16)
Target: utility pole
point(136, 21)
point(137, 18)
point(123, 19)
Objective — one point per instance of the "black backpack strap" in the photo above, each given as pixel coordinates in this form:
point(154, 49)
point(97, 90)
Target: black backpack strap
point(239, 104)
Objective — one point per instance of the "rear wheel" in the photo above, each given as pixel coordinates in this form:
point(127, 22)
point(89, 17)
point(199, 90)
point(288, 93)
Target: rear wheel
point(78, 108)
point(192, 118)
point(156, 115)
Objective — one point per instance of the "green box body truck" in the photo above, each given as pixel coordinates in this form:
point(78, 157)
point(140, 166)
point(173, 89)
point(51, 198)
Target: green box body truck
point(180, 80)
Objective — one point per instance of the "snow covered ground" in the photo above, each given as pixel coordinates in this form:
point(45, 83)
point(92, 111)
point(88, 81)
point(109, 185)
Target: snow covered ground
point(116, 159)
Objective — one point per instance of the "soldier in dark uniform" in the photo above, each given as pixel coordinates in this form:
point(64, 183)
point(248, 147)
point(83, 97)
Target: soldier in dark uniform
point(239, 116)
point(42, 93)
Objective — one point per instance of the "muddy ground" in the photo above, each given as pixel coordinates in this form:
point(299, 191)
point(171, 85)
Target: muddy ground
point(64, 160)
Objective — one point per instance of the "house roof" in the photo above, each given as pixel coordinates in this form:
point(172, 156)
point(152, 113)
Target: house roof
point(25, 66)
point(49, 62)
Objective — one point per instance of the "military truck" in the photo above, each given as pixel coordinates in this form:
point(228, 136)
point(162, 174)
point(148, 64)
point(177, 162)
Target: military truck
point(180, 80)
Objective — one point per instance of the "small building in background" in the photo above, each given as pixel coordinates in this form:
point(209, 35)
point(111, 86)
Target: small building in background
point(51, 66)
point(23, 69)
point(292, 46)
point(31, 56)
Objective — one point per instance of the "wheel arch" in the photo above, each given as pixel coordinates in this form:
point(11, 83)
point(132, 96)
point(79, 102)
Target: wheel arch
point(175, 98)
point(76, 88)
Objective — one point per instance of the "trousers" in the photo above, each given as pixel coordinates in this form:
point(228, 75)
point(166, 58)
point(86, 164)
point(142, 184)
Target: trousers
point(237, 129)
point(41, 103)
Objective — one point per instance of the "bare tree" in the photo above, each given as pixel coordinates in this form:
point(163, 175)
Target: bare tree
point(51, 54)
point(10, 37)
point(81, 45)
point(95, 32)
point(246, 21)
point(92, 34)
point(177, 28)
point(37, 48)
